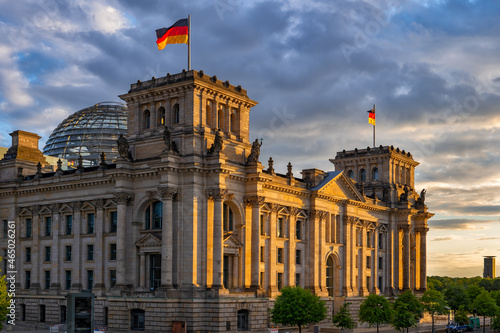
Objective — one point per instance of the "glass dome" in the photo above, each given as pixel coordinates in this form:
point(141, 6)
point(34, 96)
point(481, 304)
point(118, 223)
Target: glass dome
point(89, 132)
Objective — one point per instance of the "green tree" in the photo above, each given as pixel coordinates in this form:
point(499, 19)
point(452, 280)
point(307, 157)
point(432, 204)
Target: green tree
point(343, 318)
point(485, 306)
point(375, 310)
point(4, 300)
point(496, 295)
point(461, 316)
point(411, 307)
point(495, 323)
point(434, 303)
point(403, 317)
point(297, 307)
point(456, 295)
point(473, 291)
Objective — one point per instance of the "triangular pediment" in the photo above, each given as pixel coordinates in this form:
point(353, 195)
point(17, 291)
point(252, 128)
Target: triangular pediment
point(148, 240)
point(231, 242)
point(337, 184)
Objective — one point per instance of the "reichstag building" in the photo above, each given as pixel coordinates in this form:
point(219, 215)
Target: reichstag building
point(186, 226)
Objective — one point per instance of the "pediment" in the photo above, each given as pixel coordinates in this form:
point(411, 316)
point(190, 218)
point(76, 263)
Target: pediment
point(148, 240)
point(337, 184)
point(231, 242)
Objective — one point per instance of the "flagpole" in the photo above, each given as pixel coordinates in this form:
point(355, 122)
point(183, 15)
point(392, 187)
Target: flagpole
point(189, 42)
point(374, 127)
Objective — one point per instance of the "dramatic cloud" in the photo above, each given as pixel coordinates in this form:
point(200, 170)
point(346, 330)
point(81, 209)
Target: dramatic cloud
point(314, 66)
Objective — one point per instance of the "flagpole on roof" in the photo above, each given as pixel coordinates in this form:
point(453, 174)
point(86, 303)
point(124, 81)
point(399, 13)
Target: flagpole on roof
point(189, 42)
point(374, 128)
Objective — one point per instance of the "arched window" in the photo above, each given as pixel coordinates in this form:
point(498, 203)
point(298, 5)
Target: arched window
point(242, 320)
point(209, 113)
point(220, 119)
point(147, 119)
point(137, 320)
point(228, 218)
point(161, 116)
point(154, 215)
point(362, 175)
point(176, 112)
point(234, 125)
point(375, 174)
point(350, 174)
point(329, 275)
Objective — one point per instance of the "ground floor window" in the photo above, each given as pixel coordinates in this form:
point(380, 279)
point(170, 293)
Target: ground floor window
point(23, 312)
point(63, 313)
point(137, 320)
point(42, 313)
point(242, 320)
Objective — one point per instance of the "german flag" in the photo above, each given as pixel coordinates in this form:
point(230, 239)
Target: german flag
point(371, 117)
point(176, 34)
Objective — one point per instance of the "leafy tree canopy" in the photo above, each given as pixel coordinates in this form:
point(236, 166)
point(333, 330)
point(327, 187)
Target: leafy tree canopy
point(485, 305)
point(375, 310)
point(297, 307)
point(433, 302)
point(403, 317)
point(413, 304)
point(456, 295)
point(461, 316)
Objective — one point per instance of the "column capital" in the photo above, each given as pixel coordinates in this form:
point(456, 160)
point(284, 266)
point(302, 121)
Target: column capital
point(123, 198)
point(168, 192)
point(99, 203)
point(218, 194)
point(422, 229)
point(77, 206)
point(405, 227)
point(352, 219)
point(255, 200)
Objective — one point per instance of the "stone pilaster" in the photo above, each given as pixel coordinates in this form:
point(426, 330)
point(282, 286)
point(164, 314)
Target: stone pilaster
point(218, 237)
point(167, 194)
point(122, 199)
point(255, 202)
point(37, 277)
point(423, 258)
point(55, 270)
point(406, 256)
point(76, 284)
point(99, 258)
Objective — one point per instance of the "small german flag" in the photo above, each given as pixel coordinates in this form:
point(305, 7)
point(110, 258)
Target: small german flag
point(176, 34)
point(371, 116)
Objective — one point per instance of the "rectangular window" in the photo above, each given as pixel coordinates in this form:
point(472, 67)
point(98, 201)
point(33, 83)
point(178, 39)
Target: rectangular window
point(90, 252)
point(357, 261)
point(262, 254)
point(112, 251)
point(262, 229)
point(68, 253)
point(280, 255)
point(262, 279)
point(90, 280)
point(48, 225)
point(113, 217)
point(47, 253)
point(280, 227)
point(298, 258)
point(47, 279)
point(368, 239)
point(337, 229)
point(368, 283)
point(28, 227)
point(279, 281)
point(68, 280)
point(69, 224)
point(28, 254)
point(112, 278)
point(297, 280)
point(5, 228)
point(380, 242)
point(368, 262)
point(380, 263)
point(380, 283)
point(90, 223)
point(27, 280)
point(298, 233)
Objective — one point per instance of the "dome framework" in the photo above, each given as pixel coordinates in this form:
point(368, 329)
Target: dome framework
point(88, 133)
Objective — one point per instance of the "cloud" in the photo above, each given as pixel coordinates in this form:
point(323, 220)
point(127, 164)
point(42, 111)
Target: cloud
point(460, 224)
point(487, 238)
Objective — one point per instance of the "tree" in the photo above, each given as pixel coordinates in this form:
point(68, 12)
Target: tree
point(407, 305)
point(461, 316)
point(375, 310)
point(4, 300)
point(485, 306)
point(343, 318)
point(496, 295)
point(434, 303)
point(297, 307)
point(473, 291)
point(456, 295)
point(495, 323)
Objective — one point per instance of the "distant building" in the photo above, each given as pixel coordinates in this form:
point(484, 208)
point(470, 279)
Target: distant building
point(489, 267)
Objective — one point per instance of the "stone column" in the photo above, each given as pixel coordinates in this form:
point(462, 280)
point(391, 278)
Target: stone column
point(375, 267)
point(235, 275)
point(291, 262)
point(218, 238)
point(364, 289)
point(322, 221)
point(406, 256)
point(255, 202)
point(142, 271)
point(76, 284)
point(167, 195)
point(423, 258)
point(348, 257)
point(315, 217)
point(99, 258)
point(272, 288)
point(56, 258)
point(121, 199)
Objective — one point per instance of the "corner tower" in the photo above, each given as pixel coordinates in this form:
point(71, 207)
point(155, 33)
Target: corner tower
point(193, 107)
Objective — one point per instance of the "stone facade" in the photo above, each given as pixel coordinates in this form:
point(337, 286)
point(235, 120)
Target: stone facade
point(188, 226)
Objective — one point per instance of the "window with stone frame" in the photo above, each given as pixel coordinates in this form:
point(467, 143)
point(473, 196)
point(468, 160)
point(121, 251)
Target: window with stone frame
point(28, 227)
point(67, 280)
point(297, 279)
point(262, 254)
point(298, 257)
point(47, 253)
point(69, 224)
point(243, 319)
point(112, 278)
point(280, 226)
point(112, 251)
point(27, 279)
point(48, 225)
point(154, 215)
point(380, 263)
point(47, 279)
point(147, 119)
point(28, 254)
point(5, 228)
point(137, 320)
point(279, 253)
point(298, 229)
point(90, 223)
point(262, 225)
point(90, 252)
point(113, 221)
point(227, 218)
point(68, 253)
point(279, 281)
point(368, 262)
point(176, 113)
point(375, 174)
point(90, 280)
point(161, 116)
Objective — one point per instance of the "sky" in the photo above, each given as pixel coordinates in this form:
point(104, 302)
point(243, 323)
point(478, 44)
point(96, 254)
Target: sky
point(315, 67)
